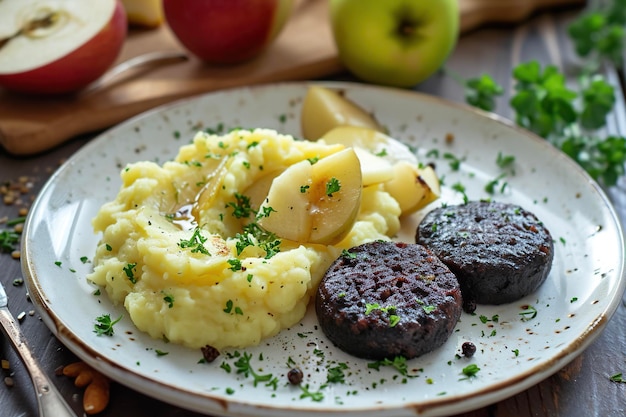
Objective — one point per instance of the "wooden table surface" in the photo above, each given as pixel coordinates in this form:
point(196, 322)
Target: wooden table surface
point(582, 388)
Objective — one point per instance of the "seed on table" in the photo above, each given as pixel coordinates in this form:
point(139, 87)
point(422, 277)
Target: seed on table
point(18, 228)
point(16, 254)
point(8, 381)
point(23, 211)
point(5, 365)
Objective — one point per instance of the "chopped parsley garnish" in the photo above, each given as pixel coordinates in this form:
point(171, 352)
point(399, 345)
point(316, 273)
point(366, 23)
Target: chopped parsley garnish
point(505, 161)
point(104, 325)
point(244, 367)
point(332, 186)
point(398, 363)
point(229, 308)
point(129, 270)
point(304, 188)
point(529, 312)
point(347, 254)
point(313, 395)
point(460, 188)
point(617, 378)
point(195, 243)
point(241, 207)
point(169, 299)
point(161, 353)
point(255, 235)
point(235, 264)
point(336, 374)
point(470, 371)
point(454, 162)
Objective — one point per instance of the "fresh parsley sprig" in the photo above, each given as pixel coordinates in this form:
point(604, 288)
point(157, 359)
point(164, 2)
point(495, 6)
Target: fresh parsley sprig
point(244, 367)
point(104, 325)
point(8, 240)
point(569, 117)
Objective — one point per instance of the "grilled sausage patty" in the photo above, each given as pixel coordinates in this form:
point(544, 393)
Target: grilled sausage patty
point(499, 252)
point(384, 299)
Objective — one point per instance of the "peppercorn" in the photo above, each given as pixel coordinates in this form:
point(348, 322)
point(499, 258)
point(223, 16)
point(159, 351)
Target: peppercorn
point(209, 353)
point(468, 349)
point(295, 376)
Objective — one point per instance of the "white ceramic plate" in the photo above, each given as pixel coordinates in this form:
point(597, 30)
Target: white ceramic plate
point(582, 292)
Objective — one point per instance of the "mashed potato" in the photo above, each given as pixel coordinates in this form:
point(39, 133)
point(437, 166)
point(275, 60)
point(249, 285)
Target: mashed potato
point(202, 279)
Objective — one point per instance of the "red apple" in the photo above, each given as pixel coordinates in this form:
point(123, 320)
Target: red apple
point(52, 47)
point(226, 31)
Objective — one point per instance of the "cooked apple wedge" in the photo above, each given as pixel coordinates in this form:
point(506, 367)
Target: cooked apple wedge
point(376, 142)
point(287, 204)
point(258, 191)
point(413, 187)
point(374, 169)
point(208, 193)
point(324, 109)
point(315, 203)
point(377, 151)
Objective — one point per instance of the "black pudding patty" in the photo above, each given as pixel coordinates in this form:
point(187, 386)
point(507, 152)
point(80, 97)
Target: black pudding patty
point(384, 299)
point(499, 252)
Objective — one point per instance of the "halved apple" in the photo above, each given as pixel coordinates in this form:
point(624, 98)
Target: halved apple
point(316, 203)
point(413, 187)
point(52, 47)
point(324, 109)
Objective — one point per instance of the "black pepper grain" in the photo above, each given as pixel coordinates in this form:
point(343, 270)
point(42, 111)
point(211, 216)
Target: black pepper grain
point(295, 376)
point(468, 349)
point(209, 353)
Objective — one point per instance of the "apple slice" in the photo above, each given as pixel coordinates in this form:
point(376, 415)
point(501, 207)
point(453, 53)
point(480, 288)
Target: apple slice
point(209, 191)
point(377, 151)
point(374, 141)
point(324, 109)
point(374, 169)
point(413, 187)
point(51, 47)
point(257, 192)
point(315, 203)
point(289, 217)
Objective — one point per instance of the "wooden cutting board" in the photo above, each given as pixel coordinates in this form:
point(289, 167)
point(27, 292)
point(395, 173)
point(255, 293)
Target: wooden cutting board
point(304, 50)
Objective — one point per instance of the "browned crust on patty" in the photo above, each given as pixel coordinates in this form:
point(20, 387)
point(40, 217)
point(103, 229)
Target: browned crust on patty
point(499, 252)
point(385, 299)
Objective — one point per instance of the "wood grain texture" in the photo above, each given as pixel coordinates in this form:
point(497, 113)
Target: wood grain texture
point(304, 50)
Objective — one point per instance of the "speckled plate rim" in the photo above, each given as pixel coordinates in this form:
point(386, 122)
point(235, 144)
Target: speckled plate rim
point(234, 406)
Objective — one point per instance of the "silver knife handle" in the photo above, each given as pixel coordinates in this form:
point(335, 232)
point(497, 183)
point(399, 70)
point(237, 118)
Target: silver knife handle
point(51, 403)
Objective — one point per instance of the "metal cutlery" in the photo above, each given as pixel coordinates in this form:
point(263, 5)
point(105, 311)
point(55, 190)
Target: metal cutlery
point(50, 401)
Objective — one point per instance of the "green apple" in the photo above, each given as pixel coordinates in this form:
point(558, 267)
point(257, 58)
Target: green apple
point(394, 42)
